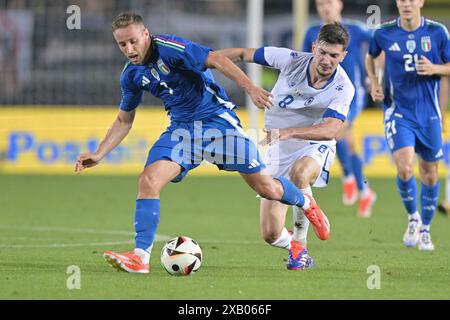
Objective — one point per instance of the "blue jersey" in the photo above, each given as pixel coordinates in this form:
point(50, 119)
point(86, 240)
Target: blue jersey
point(353, 63)
point(408, 95)
point(175, 73)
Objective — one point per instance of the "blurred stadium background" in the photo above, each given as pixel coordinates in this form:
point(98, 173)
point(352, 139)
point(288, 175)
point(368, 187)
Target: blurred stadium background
point(51, 75)
point(60, 87)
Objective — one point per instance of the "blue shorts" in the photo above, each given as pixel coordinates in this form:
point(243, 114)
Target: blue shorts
point(427, 141)
point(219, 140)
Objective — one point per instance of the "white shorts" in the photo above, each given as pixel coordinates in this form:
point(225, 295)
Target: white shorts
point(281, 156)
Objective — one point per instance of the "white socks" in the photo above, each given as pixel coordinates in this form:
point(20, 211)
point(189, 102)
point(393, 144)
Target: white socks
point(415, 216)
point(143, 254)
point(284, 241)
point(301, 223)
point(365, 191)
point(307, 201)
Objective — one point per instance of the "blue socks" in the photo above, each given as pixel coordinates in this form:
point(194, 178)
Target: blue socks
point(351, 164)
point(146, 220)
point(428, 202)
point(343, 156)
point(428, 198)
point(357, 167)
point(292, 195)
point(408, 194)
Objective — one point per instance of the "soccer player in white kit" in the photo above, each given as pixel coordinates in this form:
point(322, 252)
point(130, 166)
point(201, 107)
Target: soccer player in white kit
point(311, 99)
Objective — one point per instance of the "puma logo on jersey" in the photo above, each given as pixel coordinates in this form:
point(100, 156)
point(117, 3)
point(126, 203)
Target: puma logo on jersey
point(439, 154)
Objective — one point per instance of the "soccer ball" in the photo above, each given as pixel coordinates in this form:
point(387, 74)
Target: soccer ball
point(181, 256)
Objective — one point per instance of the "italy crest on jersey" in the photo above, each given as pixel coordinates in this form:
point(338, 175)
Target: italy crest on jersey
point(425, 43)
point(162, 67)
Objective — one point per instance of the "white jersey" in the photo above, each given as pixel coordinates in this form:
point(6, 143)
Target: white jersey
point(298, 105)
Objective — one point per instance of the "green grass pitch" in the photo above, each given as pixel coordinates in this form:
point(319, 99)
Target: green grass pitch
point(48, 223)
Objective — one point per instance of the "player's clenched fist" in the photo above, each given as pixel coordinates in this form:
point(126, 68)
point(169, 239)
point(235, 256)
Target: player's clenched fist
point(86, 160)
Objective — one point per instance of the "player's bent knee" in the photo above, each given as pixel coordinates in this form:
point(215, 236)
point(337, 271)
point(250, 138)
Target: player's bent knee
point(299, 178)
point(149, 185)
point(429, 178)
point(302, 177)
point(405, 173)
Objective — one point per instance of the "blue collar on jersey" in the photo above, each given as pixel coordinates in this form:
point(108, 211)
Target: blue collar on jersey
point(309, 78)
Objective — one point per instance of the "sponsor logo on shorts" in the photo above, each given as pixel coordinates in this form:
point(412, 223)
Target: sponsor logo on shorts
point(254, 164)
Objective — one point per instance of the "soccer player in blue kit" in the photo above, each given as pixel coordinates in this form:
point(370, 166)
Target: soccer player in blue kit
point(354, 182)
point(417, 54)
point(202, 124)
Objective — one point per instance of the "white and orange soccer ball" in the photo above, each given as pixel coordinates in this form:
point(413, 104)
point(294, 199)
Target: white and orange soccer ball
point(181, 256)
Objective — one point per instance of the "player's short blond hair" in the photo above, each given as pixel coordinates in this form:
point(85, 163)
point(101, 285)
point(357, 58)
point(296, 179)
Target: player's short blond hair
point(124, 19)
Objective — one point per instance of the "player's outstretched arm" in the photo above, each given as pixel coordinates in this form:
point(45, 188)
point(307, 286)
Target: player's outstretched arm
point(239, 54)
point(118, 131)
point(327, 130)
point(259, 96)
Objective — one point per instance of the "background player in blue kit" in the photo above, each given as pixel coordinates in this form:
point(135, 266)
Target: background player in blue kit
point(202, 124)
point(354, 181)
point(417, 54)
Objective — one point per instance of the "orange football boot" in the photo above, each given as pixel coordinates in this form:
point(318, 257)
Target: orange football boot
point(365, 204)
point(128, 261)
point(349, 191)
point(318, 219)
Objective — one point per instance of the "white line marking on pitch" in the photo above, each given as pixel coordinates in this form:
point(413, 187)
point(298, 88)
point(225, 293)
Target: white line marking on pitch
point(65, 245)
point(65, 229)
point(158, 238)
point(231, 241)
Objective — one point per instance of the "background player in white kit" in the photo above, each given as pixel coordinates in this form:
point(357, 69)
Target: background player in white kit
point(310, 103)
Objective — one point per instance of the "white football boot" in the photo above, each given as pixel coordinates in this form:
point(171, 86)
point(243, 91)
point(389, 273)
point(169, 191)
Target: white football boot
point(411, 236)
point(425, 243)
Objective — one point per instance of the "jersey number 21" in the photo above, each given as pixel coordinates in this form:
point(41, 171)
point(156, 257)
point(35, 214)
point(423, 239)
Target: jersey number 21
point(410, 62)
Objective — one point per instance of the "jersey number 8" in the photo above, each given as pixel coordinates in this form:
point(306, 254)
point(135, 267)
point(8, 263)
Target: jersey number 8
point(286, 101)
